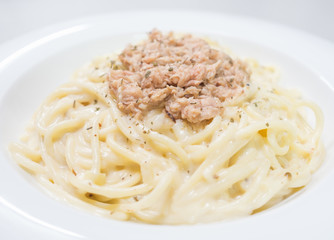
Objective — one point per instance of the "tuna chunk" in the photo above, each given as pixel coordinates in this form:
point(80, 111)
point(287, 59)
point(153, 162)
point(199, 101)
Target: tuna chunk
point(185, 76)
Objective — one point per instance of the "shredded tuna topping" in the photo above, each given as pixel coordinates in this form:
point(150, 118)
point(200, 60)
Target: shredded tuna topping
point(185, 76)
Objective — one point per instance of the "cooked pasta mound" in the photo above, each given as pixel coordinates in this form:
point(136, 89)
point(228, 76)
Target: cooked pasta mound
point(172, 131)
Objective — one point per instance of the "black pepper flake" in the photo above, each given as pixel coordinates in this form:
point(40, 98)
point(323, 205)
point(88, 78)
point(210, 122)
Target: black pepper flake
point(255, 104)
point(95, 101)
point(97, 109)
point(170, 69)
point(147, 74)
point(89, 128)
point(267, 124)
point(170, 116)
point(155, 64)
point(232, 120)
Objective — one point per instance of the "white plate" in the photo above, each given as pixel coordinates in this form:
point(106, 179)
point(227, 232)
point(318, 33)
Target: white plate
point(32, 66)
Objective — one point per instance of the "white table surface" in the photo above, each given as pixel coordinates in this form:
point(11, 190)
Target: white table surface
point(18, 17)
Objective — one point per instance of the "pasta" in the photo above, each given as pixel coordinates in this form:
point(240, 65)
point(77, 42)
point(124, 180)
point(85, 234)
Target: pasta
point(83, 149)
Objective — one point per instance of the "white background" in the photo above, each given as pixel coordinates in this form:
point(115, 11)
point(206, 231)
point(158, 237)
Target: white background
point(18, 17)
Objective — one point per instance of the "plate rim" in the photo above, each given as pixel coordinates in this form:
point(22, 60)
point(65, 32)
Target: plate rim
point(18, 42)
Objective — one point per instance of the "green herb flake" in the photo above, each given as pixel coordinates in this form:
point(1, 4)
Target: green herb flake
point(147, 74)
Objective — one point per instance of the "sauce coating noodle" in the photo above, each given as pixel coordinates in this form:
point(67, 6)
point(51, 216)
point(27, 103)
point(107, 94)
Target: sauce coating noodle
point(260, 150)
